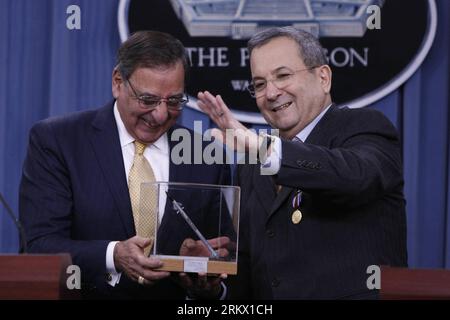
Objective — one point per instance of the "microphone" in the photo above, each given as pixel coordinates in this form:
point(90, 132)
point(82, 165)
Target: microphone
point(22, 239)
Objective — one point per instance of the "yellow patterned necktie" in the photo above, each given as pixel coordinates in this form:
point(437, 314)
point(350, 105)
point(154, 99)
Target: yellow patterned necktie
point(143, 198)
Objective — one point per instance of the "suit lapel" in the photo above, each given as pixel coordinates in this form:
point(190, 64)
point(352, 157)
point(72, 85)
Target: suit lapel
point(280, 199)
point(318, 136)
point(106, 145)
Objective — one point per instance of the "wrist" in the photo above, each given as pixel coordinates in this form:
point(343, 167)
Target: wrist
point(264, 143)
point(116, 258)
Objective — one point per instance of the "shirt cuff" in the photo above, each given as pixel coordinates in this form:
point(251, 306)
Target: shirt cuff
point(272, 164)
point(113, 277)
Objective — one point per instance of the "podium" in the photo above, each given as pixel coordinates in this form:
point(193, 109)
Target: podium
point(30, 276)
point(414, 284)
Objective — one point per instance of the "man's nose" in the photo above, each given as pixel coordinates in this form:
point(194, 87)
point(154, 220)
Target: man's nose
point(160, 113)
point(272, 92)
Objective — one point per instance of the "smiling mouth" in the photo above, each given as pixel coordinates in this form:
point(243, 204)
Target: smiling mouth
point(281, 107)
point(148, 124)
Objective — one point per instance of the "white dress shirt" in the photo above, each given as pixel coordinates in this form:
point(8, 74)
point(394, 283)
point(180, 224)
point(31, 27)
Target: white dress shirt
point(157, 154)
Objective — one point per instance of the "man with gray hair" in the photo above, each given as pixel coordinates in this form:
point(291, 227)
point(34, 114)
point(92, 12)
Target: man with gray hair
point(81, 182)
point(331, 201)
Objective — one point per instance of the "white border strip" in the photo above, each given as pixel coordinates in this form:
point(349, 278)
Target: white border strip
point(122, 19)
point(410, 68)
point(377, 94)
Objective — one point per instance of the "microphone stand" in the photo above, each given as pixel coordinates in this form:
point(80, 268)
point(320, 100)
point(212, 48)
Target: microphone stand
point(22, 239)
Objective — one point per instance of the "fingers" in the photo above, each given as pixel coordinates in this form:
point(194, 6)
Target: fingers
point(219, 242)
point(221, 112)
point(217, 110)
point(142, 243)
point(218, 134)
point(132, 261)
point(189, 243)
point(149, 278)
point(222, 252)
point(210, 111)
point(210, 102)
point(214, 106)
point(148, 243)
point(222, 105)
point(204, 104)
point(190, 247)
point(152, 275)
point(147, 265)
point(145, 270)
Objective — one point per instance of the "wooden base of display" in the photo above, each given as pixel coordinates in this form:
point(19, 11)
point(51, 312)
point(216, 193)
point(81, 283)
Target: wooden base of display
point(197, 264)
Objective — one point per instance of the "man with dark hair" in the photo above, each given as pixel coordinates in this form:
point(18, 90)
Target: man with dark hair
point(82, 175)
point(329, 203)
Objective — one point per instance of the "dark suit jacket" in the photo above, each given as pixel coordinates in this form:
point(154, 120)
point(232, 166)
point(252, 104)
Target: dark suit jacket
point(350, 172)
point(74, 198)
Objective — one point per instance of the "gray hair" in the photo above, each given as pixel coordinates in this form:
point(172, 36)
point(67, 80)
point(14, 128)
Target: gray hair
point(310, 49)
point(151, 49)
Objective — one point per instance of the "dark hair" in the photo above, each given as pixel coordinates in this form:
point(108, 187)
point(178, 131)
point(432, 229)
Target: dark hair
point(150, 49)
point(311, 51)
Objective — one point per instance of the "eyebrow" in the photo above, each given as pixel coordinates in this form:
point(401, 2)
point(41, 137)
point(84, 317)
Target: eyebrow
point(281, 68)
point(151, 95)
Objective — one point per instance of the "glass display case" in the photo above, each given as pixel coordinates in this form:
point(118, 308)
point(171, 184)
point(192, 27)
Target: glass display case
point(196, 227)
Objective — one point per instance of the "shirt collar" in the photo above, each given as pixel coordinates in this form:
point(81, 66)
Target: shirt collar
point(303, 135)
point(125, 137)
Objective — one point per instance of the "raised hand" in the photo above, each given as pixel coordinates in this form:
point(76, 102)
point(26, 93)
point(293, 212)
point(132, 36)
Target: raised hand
point(231, 132)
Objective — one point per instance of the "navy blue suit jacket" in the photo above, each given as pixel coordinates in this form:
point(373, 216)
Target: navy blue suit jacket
point(350, 172)
point(74, 198)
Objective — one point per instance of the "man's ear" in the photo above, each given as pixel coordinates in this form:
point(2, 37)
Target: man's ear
point(117, 81)
point(325, 75)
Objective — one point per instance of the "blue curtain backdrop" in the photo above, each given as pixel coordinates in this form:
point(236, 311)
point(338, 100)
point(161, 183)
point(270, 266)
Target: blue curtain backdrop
point(49, 70)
